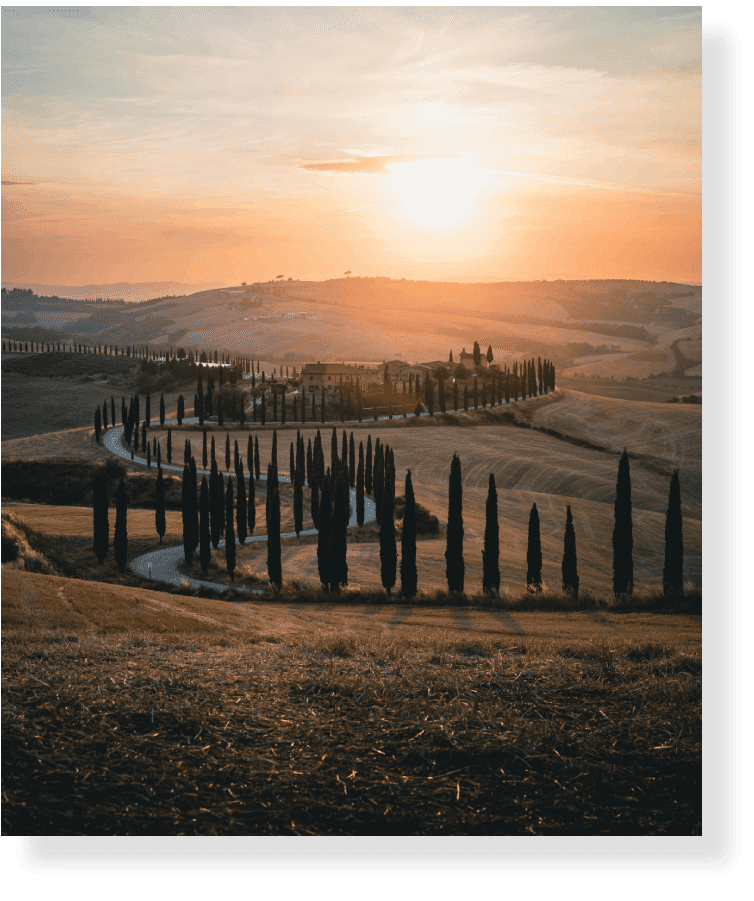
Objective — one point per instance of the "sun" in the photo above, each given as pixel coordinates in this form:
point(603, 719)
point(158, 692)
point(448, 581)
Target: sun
point(438, 193)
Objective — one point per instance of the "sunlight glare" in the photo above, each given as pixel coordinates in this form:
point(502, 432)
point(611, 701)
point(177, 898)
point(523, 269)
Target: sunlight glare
point(438, 193)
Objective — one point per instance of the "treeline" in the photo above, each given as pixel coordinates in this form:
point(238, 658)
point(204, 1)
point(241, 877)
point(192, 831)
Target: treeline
point(217, 510)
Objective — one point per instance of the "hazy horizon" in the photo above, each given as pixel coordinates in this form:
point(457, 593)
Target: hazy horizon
point(442, 144)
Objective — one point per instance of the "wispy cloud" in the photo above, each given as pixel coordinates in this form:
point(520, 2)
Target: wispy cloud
point(374, 165)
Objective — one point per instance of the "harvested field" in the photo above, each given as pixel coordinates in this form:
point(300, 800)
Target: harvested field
point(134, 713)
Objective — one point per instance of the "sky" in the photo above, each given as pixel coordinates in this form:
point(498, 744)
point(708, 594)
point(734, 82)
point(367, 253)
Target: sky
point(447, 143)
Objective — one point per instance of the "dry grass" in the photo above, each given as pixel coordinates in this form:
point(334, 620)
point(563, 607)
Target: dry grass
point(345, 732)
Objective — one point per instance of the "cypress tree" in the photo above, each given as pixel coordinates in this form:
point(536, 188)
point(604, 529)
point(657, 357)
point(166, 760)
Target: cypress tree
point(623, 540)
point(162, 409)
point(315, 501)
point(104, 415)
point(252, 503)
point(570, 574)
point(257, 464)
point(298, 503)
point(314, 406)
point(325, 534)
point(333, 451)
point(97, 424)
point(476, 393)
point(672, 571)
point(291, 463)
point(188, 547)
point(227, 452)
point(120, 539)
point(368, 467)
point(241, 511)
point(101, 530)
point(360, 486)
point(230, 538)
point(378, 480)
point(274, 456)
point(441, 393)
point(309, 463)
point(455, 395)
point(338, 562)
point(159, 505)
point(388, 548)
point(534, 553)
point(250, 455)
point(193, 498)
point(144, 436)
point(319, 459)
point(149, 456)
point(454, 564)
point(491, 551)
point(236, 456)
point(344, 450)
point(214, 525)
point(409, 577)
point(220, 504)
point(274, 557)
point(205, 552)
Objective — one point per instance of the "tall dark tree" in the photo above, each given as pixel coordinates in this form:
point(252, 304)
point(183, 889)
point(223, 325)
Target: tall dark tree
point(186, 512)
point(291, 463)
point(309, 463)
point(104, 415)
point(388, 548)
point(368, 467)
point(334, 450)
point(159, 505)
point(144, 436)
point(97, 424)
point(378, 479)
point(489, 355)
point(230, 536)
point(534, 553)
point(220, 504)
point(324, 533)
point(314, 502)
point(623, 537)
point(672, 571)
point(454, 563)
point(298, 502)
point(477, 355)
point(491, 551)
point(101, 530)
point(194, 499)
point(274, 557)
point(241, 511)
point(214, 531)
point(455, 394)
point(162, 409)
point(344, 449)
point(120, 538)
point(170, 446)
point(112, 409)
point(409, 577)
point(257, 462)
point(274, 454)
point(360, 486)
point(570, 572)
point(204, 449)
point(205, 551)
point(338, 535)
point(252, 503)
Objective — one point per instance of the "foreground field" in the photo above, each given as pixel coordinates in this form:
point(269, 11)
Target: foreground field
point(134, 712)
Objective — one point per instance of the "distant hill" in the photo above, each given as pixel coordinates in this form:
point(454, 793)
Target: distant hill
point(130, 291)
point(581, 325)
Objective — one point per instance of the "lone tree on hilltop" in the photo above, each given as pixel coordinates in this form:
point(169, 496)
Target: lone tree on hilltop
point(454, 564)
point(120, 539)
point(489, 354)
point(534, 553)
point(477, 355)
point(409, 577)
point(570, 574)
point(159, 505)
point(672, 571)
point(491, 551)
point(623, 539)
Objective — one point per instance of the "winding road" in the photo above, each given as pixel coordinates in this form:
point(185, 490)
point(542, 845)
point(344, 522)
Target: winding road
point(161, 565)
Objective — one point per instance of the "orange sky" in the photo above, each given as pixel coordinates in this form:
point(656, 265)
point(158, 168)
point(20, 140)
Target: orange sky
point(206, 145)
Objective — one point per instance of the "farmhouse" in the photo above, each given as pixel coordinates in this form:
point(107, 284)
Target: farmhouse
point(468, 360)
point(316, 376)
